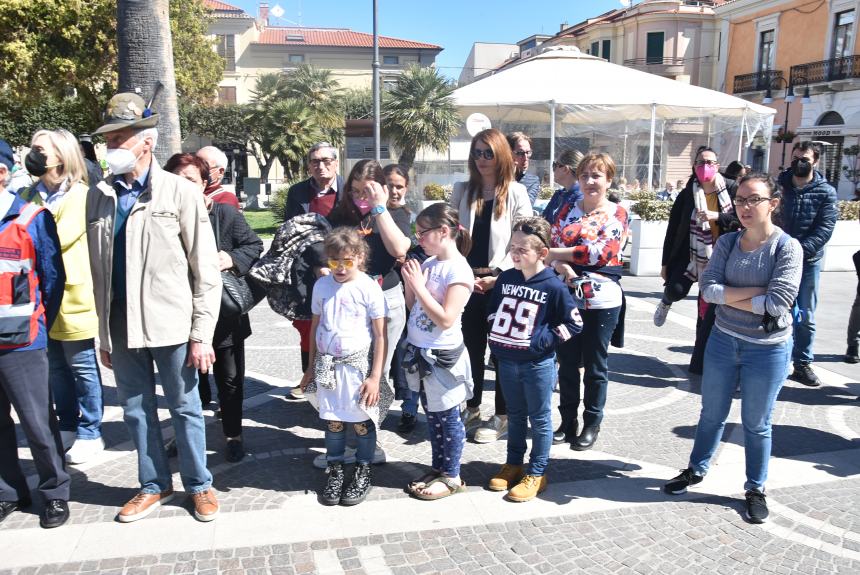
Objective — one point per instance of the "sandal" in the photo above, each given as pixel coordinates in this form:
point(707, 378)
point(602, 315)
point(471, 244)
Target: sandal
point(422, 481)
point(453, 488)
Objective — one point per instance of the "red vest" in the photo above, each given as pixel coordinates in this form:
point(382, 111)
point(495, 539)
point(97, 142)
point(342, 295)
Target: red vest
point(19, 313)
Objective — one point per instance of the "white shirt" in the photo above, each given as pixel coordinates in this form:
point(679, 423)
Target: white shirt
point(422, 332)
point(346, 311)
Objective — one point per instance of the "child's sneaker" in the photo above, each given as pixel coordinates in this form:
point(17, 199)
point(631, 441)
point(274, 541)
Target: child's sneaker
point(527, 489)
point(493, 430)
point(359, 487)
point(507, 476)
point(679, 484)
point(331, 494)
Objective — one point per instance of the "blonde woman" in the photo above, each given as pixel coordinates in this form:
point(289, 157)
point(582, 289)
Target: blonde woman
point(488, 205)
point(55, 159)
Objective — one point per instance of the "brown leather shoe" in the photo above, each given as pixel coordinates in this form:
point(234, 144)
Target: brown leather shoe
point(507, 477)
point(205, 505)
point(142, 505)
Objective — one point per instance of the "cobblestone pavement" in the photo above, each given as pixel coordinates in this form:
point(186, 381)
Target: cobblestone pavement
point(603, 512)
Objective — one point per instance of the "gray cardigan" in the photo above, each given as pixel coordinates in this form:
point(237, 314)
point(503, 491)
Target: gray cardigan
point(729, 266)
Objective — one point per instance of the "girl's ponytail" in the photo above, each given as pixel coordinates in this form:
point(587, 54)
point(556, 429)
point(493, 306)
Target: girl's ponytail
point(464, 240)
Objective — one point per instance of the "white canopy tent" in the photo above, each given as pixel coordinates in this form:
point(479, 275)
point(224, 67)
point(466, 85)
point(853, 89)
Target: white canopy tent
point(596, 104)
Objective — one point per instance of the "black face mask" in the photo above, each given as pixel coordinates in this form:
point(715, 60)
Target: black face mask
point(801, 167)
point(36, 163)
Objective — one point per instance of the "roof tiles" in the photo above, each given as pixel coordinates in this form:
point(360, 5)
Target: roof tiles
point(340, 37)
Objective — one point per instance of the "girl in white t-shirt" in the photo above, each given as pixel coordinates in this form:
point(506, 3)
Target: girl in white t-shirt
point(343, 376)
point(436, 361)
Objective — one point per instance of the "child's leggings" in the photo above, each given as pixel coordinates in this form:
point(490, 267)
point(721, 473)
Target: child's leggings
point(447, 437)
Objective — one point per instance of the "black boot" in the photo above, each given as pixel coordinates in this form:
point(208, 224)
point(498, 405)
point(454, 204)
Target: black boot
point(334, 484)
point(586, 439)
point(359, 487)
point(851, 354)
point(566, 432)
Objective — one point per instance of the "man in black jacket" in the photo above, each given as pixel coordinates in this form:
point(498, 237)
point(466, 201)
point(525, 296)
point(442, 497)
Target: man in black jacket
point(317, 194)
point(808, 213)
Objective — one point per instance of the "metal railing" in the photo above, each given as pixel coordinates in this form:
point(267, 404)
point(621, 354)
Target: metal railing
point(654, 62)
point(756, 81)
point(826, 70)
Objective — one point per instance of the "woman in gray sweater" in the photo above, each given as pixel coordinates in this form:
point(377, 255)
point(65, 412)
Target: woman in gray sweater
point(753, 276)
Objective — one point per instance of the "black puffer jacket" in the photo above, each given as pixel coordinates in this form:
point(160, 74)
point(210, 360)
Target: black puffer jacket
point(235, 237)
point(808, 214)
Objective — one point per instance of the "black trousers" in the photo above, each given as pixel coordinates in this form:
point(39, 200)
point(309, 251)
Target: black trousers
point(24, 386)
point(229, 372)
point(677, 286)
point(704, 325)
point(475, 330)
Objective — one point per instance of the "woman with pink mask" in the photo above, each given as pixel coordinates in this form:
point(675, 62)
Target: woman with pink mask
point(701, 213)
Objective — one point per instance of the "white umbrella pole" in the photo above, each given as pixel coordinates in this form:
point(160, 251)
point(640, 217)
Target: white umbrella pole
point(651, 145)
point(551, 142)
point(741, 139)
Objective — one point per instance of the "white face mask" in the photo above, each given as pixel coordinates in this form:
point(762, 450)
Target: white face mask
point(122, 160)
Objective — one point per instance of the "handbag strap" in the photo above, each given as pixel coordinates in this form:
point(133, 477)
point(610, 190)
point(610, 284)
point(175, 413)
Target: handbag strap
point(217, 211)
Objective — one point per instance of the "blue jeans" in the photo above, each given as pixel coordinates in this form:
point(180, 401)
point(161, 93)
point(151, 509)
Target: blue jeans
point(410, 405)
point(760, 370)
point(76, 384)
point(528, 391)
point(804, 317)
point(447, 438)
point(135, 384)
point(335, 440)
point(591, 349)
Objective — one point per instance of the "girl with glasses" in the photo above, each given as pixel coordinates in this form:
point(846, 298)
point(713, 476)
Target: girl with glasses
point(752, 278)
point(347, 357)
point(487, 204)
point(701, 213)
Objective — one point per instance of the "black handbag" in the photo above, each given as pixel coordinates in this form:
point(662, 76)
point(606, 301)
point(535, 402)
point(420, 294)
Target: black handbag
point(240, 294)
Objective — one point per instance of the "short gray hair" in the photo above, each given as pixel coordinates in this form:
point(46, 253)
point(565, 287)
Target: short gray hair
point(322, 146)
point(148, 133)
point(219, 157)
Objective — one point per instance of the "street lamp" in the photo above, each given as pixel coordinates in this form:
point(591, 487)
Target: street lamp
point(789, 98)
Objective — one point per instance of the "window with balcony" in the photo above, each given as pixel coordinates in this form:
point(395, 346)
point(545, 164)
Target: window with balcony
point(226, 46)
point(654, 48)
point(595, 48)
point(606, 46)
point(391, 60)
point(765, 50)
point(843, 43)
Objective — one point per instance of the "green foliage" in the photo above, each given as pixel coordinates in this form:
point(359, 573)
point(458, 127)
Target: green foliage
point(357, 104)
point(278, 202)
point(435, 192)
point(850, 169)
point(263, 222)
point(545, 192)
point(317, 91)
point(419, 112)
point(649, 208)
point(849, 210)
point(59, 56)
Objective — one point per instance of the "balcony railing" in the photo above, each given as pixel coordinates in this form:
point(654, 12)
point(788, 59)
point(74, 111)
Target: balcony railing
point(756, 81)
point(637, 62)
point(826, 70)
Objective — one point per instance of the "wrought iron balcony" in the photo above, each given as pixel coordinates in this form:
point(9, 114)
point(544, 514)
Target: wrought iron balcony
point(826, 70)
point(756, 81)
point(660, 66)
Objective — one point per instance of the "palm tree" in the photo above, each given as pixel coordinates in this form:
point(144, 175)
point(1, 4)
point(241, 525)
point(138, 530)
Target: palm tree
point(419, 112)
point(322, 95)
point(145, 57)
point(293, 132)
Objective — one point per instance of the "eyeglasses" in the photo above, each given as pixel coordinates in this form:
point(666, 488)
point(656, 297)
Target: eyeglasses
point(523, 153)
point(347, 264)
point(421, 233)
point(529, 230)
point(751, 202)
point(557, 165)
point(315, 162)
point(486, 154)
point(707, 163)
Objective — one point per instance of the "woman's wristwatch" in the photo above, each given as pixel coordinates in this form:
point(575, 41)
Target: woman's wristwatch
point(377, 210)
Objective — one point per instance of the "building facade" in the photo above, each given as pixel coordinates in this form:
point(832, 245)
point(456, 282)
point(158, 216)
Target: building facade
point(803, 55)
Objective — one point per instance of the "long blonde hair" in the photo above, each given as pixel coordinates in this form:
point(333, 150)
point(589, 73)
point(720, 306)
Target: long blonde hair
point(504, 171)
point(68, 152)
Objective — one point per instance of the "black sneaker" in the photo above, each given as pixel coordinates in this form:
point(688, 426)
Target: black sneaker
point(334, 484)
point(235, 450)
point(679, 484)
point(7, 507)
point(55, 513)
point(804, 374)
point(406, 424)
point(756, 511)
point(851, 354)
point(359, 487)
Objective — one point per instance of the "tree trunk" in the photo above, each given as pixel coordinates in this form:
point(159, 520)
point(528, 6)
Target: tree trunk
point(407, 157)
point(145, 57)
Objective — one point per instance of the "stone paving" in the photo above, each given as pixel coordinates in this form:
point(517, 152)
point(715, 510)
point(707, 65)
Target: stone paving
point(603, 513)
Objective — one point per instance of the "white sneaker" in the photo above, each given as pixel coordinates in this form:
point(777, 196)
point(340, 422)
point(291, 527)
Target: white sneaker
point(297, 393)
point(661, 312)
point(85, 449)
point(320, 461)
point(68, 438)
point(471, 417)
point(493, 430)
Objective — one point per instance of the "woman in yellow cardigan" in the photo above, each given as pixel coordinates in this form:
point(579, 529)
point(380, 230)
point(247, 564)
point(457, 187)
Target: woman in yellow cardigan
point(55, 158)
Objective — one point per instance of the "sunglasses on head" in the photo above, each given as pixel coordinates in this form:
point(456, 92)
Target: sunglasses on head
point(532, 231)
point(486, 154)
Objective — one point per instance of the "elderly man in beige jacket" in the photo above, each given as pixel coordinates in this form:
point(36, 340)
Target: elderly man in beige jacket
point(158, 292)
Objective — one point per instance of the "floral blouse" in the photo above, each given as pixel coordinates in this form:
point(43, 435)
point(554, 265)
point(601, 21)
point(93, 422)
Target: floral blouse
point(597, 238)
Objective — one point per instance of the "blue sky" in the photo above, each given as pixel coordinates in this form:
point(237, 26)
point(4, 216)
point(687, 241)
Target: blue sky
point(453, 25)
